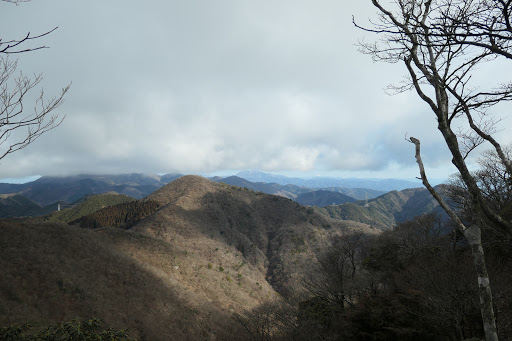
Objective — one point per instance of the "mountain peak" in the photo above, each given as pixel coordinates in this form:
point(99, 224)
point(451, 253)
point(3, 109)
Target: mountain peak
point(184, 191)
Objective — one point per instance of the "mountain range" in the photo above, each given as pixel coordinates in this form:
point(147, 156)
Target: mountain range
point(206, 253)
point(325, 182)
point(47, 190)
point(44, 195)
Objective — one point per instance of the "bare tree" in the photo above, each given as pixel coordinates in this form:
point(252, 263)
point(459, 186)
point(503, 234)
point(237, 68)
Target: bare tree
point(341, 278)
point(428, 37)
point(495, 182)
point(269, 321)
point(20, 127)
point(483, 23)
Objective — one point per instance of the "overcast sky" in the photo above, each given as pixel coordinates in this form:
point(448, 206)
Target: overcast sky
point(214, 86)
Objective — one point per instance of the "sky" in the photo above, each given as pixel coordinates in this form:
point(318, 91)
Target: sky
point(218, 86)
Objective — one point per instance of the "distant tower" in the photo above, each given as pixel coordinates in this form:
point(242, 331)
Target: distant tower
point(58, 207)
point(366, 204)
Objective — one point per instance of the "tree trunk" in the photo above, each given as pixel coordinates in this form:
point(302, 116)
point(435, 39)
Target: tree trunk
point(473, 236)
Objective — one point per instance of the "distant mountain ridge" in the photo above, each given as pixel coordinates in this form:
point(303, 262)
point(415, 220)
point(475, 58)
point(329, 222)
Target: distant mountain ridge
point(323, 182)
point(48, 190)
point(294, 191)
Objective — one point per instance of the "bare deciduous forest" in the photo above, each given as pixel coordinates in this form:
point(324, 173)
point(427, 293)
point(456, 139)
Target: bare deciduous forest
point(204, 260)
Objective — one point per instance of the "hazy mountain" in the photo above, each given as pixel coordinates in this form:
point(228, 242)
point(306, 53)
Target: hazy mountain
point(294, 191)
point(323, 182)
point(166, 178)
point(48, 190)
point(11, 188)
point(287, 191)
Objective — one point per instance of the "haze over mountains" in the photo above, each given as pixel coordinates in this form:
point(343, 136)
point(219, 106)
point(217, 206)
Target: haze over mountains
point(325, 182)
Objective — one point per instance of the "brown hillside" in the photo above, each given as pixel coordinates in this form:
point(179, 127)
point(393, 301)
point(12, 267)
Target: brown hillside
point(271, 234)
point(183, 192)
point(60, 272)
point(209, 251)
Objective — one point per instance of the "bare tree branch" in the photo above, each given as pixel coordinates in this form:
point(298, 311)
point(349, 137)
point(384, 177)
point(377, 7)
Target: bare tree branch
point(442, 42)
point(14, 117)
point(431, 189)
point(20, 127)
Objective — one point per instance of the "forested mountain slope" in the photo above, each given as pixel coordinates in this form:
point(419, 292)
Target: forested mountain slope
point(387, 210)
point(209, 250)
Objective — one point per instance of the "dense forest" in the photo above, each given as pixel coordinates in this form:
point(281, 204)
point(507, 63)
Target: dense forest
point(121, 215)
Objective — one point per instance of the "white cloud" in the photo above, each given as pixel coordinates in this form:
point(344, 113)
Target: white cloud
point(202, 86)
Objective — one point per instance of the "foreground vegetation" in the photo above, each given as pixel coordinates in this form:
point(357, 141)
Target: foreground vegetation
point(412, 283)
point(72, 330)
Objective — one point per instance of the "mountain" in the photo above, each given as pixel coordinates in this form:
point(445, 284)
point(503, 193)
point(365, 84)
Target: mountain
point(323, 182)
point(124, 215)
point(387, 210)
point(14, 205)
point(182, 262)
point(273, 234)
point(323, 198)
point(48, 190)
point(294, 191)
point(207, 251)
point(287, 191)
point(356, 193)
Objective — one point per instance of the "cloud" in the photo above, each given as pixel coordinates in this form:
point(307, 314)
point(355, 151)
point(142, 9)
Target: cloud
point(202, 86)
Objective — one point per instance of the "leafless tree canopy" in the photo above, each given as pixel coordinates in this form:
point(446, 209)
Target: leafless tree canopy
point(442, 43)
point(20, 126)
point(485, 24)
point(440, 70)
